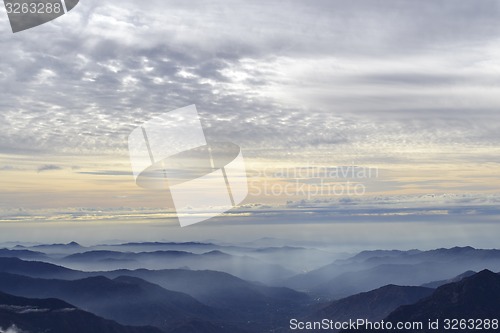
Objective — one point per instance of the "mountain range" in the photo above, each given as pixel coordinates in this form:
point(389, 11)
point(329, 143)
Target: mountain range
point(373, 305)
point(200, 295)
point(372, 269)
point(221, 295)
point(127, 300)
point(242, 266)
point(19, 314)
point(475, 297)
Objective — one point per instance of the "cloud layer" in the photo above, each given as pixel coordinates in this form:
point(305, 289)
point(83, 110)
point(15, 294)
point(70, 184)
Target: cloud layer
point(278, 75)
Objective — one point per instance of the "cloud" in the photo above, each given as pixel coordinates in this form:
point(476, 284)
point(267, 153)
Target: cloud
point(384, 209)
point(48, 167)
point(269, 77)
point(12, 329)
point(106, 173)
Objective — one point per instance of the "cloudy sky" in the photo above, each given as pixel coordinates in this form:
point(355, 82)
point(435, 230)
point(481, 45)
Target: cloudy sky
point(410, 88)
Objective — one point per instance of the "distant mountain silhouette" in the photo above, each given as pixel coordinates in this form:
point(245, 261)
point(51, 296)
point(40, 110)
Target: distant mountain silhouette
point(156, 245)
point(436, 284)
point(243, 301)
point(129, 301)
point(364, 255)
point(23, 254)
point(148, 246)
point(194, 247)
point(373, 305)
point(304, 258)
point(215, 288)
point(55, 248)
point(99, 255)
point(244, 266)
point(219, 291)
point(372, 269)
point(37, 269)
point(466, 254)
point(475, 297)
point(351, 283)
point(55, 316)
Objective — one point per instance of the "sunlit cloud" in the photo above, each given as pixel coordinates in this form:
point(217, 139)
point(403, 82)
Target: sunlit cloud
point(325, 83)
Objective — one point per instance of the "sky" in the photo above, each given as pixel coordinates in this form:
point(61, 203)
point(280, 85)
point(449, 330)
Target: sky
point(410, 89)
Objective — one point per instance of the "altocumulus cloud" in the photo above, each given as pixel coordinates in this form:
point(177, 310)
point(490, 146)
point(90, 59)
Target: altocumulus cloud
point(264, 74)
